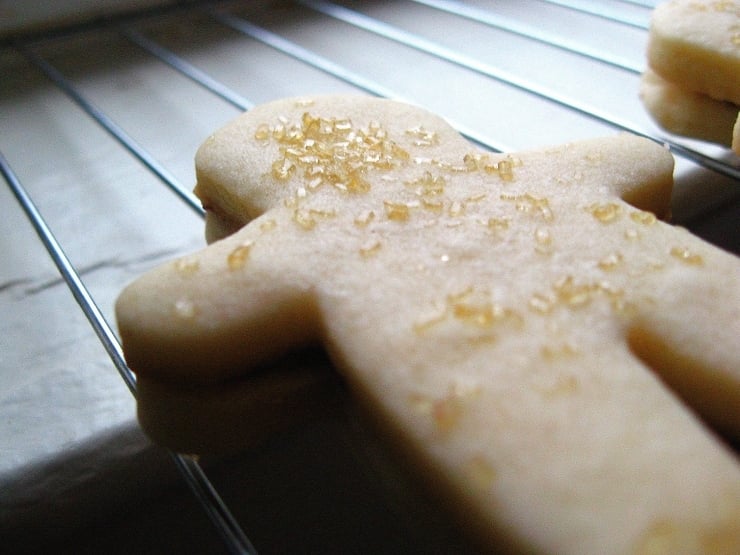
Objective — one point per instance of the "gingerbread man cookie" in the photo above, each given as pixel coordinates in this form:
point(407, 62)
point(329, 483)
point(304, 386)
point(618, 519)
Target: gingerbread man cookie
point(532, 336)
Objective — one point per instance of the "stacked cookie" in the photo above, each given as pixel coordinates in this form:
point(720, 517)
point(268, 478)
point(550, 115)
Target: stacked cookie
point(692, 84)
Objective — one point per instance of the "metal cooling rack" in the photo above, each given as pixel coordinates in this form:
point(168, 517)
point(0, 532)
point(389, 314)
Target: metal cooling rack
point(96, 117)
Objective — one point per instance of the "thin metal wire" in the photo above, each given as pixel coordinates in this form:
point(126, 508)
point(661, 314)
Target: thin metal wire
point(401, 36)
point(610, 15)
point(531, 32)
point(70, 275)
point(234, 538)
point(411, 40)
point(299, 53)
point(54, 75)
point(236, 541)
point(219, 514)
point(642, 3)
point(329, 67)
point(186, 68)
point(44, 33)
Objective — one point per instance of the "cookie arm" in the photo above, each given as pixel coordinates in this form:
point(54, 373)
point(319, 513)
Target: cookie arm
point(216, 313)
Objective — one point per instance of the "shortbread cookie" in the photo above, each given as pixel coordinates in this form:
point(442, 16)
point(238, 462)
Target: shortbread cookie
point(692, 85)
point(695, 44)
point(540, 346)
point(688, 113)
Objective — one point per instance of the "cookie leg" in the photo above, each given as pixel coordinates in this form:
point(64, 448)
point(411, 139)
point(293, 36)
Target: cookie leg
point(699, 366)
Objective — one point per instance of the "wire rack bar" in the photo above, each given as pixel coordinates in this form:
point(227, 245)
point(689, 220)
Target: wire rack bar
point(234, 537)
point(329, 67)
point(401, 36)
point(70, 275)
point(114, 129)
point(529, 31)
point(411, 40)
point(642, 3)
point(610, 15)
point(219, 514)
point(299, 53)
point(186, 68)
